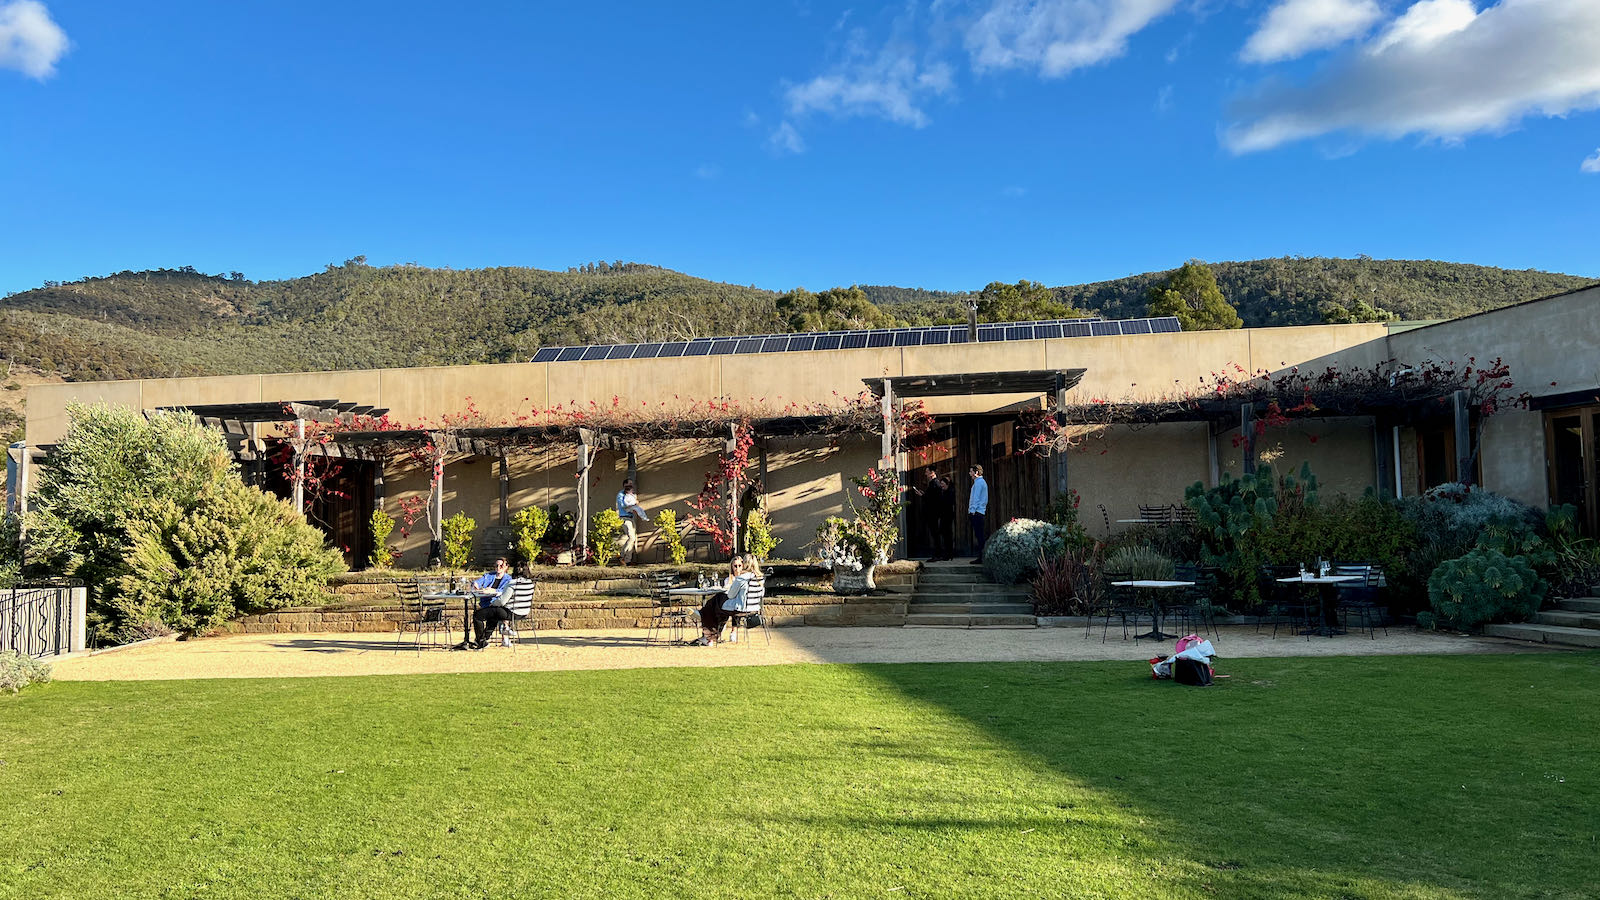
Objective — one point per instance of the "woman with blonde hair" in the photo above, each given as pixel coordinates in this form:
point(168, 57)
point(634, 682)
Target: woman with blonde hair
point(721, 606)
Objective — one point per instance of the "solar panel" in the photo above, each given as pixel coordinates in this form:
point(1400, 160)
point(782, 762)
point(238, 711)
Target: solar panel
point(568, 354)
point(697, 348)
point(1166, 325)
point(1046, 330)
point(1104, 329)
point(802, 342)
point(647, 351)
point(1019, 332)
point(749, 345)
point(880, 339)
point(935, 336)
point(853, 341)
point(775, 344)
point(991, 332)
point(827, 342)
point(547, 354)
point(1136, 326)
point(622, 351)
point(598, 351)
point(673, 348)
point(909, 338)
point(721, 347)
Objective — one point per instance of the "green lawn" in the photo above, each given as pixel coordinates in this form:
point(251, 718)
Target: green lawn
point(1374, 777)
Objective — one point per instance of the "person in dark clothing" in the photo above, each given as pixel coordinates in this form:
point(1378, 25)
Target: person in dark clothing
point(493, 590)
point(939, 513)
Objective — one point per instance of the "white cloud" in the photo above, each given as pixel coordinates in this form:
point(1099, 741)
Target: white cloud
point(707, 172)
point(889, 83)
point(1513, 60)
point(1592, 164)
point(1296, 27)
point(785, 139)
point(1426, 23)
point(1164, 99)
point(1057, 36)
point(30, 41)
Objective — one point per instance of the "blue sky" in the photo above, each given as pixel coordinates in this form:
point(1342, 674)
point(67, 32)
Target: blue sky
point(943, 144)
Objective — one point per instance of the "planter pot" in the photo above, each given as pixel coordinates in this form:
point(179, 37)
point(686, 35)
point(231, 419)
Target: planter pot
point(850, 581)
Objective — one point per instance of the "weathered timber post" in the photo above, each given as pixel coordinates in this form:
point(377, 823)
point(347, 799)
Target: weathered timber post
point(505, 488)
point(1247, 429)
point(436, 504)
point(1058, 456)
point(730, 448)
point(1462, 402)
point(300, 467)
point(585, 436)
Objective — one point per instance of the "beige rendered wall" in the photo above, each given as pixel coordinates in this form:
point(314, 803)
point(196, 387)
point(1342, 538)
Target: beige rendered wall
point(807, 478)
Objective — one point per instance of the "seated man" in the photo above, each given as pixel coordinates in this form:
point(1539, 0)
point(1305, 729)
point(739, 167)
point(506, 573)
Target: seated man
point(493, 590)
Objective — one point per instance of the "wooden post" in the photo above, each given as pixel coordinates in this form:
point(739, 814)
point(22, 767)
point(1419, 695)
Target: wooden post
point(1059, 456)
point(891, 448)
point(730, 446)
point(633, 467)
point(1382, 459)
point(1247, 428)
point(505, 489)
point(1212, 456)
point(582, 536)
point(300, 467)
point(1464, 455)
point(436, 506)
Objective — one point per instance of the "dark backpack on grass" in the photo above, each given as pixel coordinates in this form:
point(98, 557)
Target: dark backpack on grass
point(1187, 671)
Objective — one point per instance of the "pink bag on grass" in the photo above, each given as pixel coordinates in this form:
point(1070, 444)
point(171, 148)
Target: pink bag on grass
point(1185, 643)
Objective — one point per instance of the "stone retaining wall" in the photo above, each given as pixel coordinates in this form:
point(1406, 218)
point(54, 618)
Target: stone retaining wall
point(580, 606)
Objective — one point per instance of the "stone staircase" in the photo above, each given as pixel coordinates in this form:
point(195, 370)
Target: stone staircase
point(960, 595)
point(1570, 623)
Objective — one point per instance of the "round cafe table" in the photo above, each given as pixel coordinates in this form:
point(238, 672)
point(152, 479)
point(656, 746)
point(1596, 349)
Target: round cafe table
point(1327, 587)
point(1155, 587)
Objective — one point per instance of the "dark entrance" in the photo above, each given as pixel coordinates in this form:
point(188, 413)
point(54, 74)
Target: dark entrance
point(341, 507)
point(1019, 482)
point(1572, 449)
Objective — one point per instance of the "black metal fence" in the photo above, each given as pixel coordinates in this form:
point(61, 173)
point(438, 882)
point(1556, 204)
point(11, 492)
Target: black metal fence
point(36, 621)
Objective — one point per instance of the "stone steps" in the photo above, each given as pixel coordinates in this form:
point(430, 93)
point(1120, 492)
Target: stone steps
point(1573, 622)
point(970, 621)
point(972, 609)
point(1547, 634)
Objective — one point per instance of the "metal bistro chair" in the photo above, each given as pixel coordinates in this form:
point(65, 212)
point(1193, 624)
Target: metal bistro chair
point(1360, 598)
point(426, 616)
point(754, 594)
point(1194, 607)
point(1286, 601)
point(521, 607)
point(669, 616)
point(1120, 602)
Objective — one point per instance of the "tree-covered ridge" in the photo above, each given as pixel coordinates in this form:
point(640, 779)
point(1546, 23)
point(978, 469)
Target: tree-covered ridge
point(352, 316)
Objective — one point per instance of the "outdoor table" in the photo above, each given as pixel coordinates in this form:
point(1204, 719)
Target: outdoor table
point(466, 598)
point(1155, 604)
point(1326, 585)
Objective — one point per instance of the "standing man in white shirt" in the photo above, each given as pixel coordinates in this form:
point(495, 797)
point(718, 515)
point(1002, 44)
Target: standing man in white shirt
point(628, 508)
point(977, 506)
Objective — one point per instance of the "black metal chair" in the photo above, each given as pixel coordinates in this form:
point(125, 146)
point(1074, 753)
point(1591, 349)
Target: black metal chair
point(1281, 601)
point(1359, 599)
point(669, 616)
point(1194, 607)
point(424, 616)
point(1122, 603)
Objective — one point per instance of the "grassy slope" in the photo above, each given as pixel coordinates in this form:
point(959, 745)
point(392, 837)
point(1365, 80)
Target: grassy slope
point(356, 316)
point(1376, 777)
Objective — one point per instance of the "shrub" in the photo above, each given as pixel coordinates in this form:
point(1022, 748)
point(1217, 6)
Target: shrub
point(758, 537)
point(1016, 550)
point(1576, 558)
point(878, 523)
point(382, 526)
point(1142, 563)
point(456, 540)
point(18, 671)
point(236, 550)
point(1484, 586)
point(1064, 515)
point(151, 515)
point(1234, 521)
point(563, 527)
point(603, 531)
point(1069, 584)
point(671, 538)
point(530, 524)
point(1455, 514)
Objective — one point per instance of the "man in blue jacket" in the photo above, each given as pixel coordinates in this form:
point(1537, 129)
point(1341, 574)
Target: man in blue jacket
point(977, 507)
point(493, 590)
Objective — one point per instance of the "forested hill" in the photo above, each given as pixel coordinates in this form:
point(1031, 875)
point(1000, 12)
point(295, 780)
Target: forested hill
point(181, 322)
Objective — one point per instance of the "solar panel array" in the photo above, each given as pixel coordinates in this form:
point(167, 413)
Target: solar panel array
point(927, 336)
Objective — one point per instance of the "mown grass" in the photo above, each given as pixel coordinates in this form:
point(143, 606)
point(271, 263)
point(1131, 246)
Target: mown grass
point(1373, 777)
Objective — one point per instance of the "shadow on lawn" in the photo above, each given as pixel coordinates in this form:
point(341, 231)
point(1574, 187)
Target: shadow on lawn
point(1283, 781)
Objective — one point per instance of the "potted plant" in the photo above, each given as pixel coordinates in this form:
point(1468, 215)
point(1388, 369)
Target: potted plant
point(841, 547)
